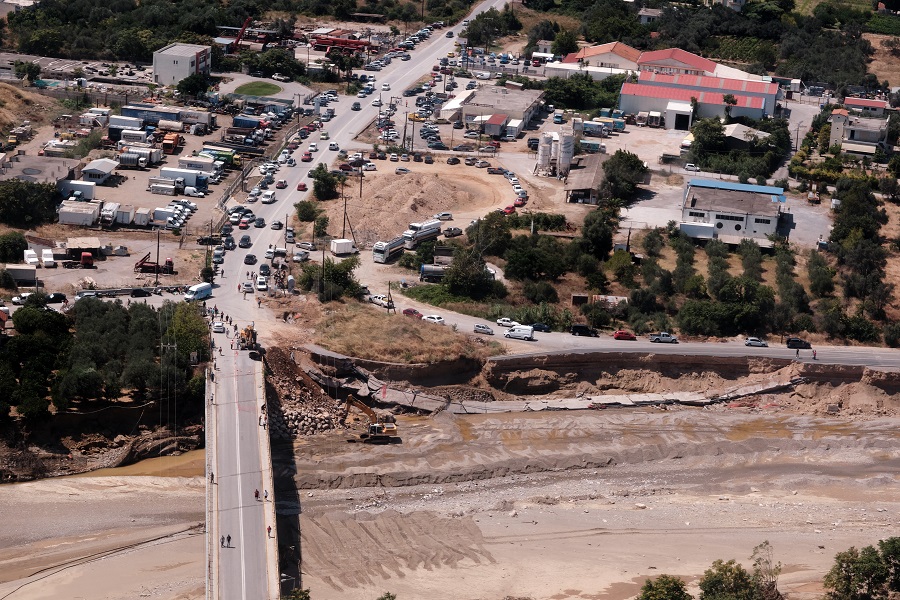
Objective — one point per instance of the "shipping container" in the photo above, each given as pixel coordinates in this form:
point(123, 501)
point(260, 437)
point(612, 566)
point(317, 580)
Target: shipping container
point(125, 214)
point(133, 135)
point(67, 187)
point(142, 217)
point(125, 122)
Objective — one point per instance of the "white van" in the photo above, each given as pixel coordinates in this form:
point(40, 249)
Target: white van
point(47, 258)
point(201, 291)
point(520, 332)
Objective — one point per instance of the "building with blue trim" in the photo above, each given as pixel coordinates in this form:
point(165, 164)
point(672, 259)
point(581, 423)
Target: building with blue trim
point(731, 211)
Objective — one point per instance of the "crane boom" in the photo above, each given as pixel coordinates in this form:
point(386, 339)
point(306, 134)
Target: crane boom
point(237, 42)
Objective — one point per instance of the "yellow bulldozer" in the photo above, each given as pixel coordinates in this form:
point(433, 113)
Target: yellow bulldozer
point(381, 429)
point(247, 338)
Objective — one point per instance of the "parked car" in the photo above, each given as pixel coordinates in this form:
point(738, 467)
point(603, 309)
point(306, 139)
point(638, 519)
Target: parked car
point(452, 232)
point(624, 335)
point(483, 329)
point(436, 319)
point(444, 216)
point(756, 342)
point(453, 160)
point(308, 246)
point(56, 298)
point(691, 167)
point(541, 327)
point(792, 343)
point(140, 293)
point(276, 225)
point(401, 170)
point(506, 322)
point(583, 330)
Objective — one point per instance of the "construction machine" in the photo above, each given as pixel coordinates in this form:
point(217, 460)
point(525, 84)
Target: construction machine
point(247, 338)
point(382, 428)
point(145, 265)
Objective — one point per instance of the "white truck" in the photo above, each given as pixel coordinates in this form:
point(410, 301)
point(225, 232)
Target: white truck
point(47, 258)
point(341, 247)
point(663, 337)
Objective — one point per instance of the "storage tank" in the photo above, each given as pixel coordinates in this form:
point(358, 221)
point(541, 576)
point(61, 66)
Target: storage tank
point(566, 150)
point(545, 145)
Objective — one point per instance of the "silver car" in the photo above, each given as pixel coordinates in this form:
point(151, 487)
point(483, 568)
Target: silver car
point(753, 341)
point(483, 329)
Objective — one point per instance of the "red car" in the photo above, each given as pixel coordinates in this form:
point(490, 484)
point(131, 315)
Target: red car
point(411, 312)
point(301, 187)
point(519, 202)
point(509, 210)
point(293, 146)
point(624, 335)
point(307, 157)
point(281, 184)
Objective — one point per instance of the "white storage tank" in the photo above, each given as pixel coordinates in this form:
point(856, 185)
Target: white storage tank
point(566, 150)
point(545, 146)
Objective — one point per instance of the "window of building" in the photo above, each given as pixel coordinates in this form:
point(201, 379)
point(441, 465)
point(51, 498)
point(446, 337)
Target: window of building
point(729, 218)
point(763, 221)
point(696, 214)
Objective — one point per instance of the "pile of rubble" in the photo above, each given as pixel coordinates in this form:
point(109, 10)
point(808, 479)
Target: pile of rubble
point(296, 404)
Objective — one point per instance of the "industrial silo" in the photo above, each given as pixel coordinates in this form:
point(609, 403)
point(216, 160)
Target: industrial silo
point(566, 150)
point(544, 150)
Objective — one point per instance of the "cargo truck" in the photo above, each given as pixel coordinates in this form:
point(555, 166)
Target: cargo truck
point(383, 252)
point(421, 232)
point(133, 135)
point(342, 247)
point(171, 143)
point(85, 261)
point(124, 122)
point(131, 160)
point(108, 213)
point(47, 258)
point(191, 177)
point(204, 164)
point(228, 156)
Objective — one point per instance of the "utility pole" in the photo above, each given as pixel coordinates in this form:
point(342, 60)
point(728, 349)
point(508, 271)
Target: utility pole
point(797, 142)
point(157, 254)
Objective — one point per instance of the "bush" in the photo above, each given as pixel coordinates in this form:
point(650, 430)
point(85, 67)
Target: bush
point(892, 334)
point(307, 211)
point(540, 291)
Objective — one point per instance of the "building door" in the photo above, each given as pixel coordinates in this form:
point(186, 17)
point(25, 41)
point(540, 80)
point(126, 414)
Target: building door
point(683, 122)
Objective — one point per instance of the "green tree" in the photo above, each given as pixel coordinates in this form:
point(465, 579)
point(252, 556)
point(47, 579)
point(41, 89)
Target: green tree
point(325, 183)
point(467, 275)
point(307, 211)
point(490, 234)
point(193, 85)
point(709, 140)
point(857, 575)
point(622, 173)
point(664, 587)
point(189, 331)
point(534, 257)
point(653, 242)
point(730, 102)
point(821, 276)
point(565, 43)
point(27, 70)
point(728, 581)
point(24, 204)
point(320, 227)
point(12, 247)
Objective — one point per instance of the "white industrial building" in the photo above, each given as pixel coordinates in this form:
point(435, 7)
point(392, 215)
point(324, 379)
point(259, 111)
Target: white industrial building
point(614, 55)
point(98, 171)
point(175, 62)
point(674, 104)
point(859, 135)
point(730, 211)
point(517, 104)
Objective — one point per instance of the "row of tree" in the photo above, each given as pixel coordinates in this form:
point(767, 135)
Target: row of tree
point(97, 352)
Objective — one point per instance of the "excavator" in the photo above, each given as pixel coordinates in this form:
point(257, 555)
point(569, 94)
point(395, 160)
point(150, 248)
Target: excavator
point(247, 338)
point(382, 429)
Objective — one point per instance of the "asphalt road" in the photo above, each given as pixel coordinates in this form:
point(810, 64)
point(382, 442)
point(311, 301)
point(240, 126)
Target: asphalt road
point(242, 564)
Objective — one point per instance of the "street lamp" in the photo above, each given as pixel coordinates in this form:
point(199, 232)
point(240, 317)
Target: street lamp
point(797, 142)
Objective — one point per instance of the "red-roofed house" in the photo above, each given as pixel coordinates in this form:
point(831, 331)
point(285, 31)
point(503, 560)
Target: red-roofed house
point(675, 61)
point(872, 108)
point(674, 104)
point(614, 55)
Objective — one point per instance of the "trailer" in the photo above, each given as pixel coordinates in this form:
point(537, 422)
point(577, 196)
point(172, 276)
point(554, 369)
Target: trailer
point(229, 156)
point(432, 273)
point(143, 216)
point(125, 122)
point(654, 119)
point(68, 188)
point(167, 125)
point(199, 117)
point(134, 135)
point(22, 274)
point(151, 113)
point(204, 164)
point(124, 214)
point(342, 247)
point(163, 189)
point(152, 155)
point(246, 121)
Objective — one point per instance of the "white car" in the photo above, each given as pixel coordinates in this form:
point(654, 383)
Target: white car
point(471, 134)
point(218, 327)
point(261, 284)
point(376, 102)
point(254, 193)
point(313, 147)
point(381, 300)
point(691, 167)
point(369, 166)
point(333, 146)
point(753, 341)
point(436, 319)
point(300, 256)
point(18, 300)
point(268, 197)
point(506, 322)
point(444, 216)
point(385, 87)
